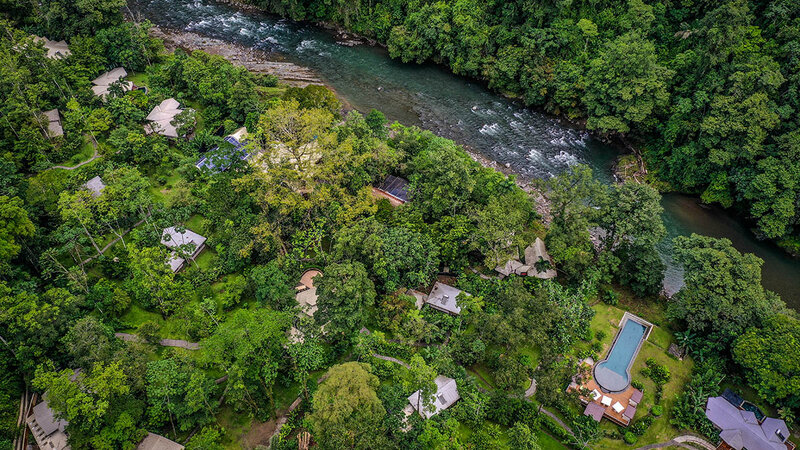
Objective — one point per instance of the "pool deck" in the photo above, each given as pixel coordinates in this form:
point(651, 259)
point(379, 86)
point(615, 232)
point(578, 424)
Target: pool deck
point(623, 398)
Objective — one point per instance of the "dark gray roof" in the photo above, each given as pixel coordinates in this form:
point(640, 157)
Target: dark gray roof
point(740, 429)
point(594, 410)
point(396, 187)
point(46, 419)
point(636, 396)
point(630, 411)
point(732, 397)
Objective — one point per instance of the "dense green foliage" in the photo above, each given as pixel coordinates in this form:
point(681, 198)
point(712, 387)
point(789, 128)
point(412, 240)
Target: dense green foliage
point(222, 342)
point(708, 91)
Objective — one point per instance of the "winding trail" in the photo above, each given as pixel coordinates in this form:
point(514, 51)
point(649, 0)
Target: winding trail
point(82, 163)
point(389, 358)
point(164, 342)
point(681, 441)
point(555, 417)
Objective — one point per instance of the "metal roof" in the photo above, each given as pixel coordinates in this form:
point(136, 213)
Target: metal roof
point(219, 161)
point(740, 429)
point(443, 297)
point(446, 395)
point(396, 187)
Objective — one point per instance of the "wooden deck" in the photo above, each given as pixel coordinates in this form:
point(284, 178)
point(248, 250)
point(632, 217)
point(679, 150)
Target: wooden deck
point(623, 398)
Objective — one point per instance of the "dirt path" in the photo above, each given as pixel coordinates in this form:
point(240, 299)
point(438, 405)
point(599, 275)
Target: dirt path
point(164, 342)
point(83, 163)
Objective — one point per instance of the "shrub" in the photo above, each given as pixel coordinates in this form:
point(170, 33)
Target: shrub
point(657, 410)
point(659, 373)
point(554, 428)
point(637, 384)
point(609, 297)
point(600, 335)
point(630, 438)
point(597, 347)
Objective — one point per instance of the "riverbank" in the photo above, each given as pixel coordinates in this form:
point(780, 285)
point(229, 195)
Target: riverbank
point(497, 132)
point(254, 60)
point(293, 74)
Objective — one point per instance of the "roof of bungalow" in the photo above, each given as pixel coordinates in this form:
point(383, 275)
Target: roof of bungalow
point(47, 429)
point(536, 253)
point(161, 118)
point(55, 49)
point(307, 300)
point(102, 83)
point(443, 298)
point(446, 395)
point(218, 161)
point(396, 187)
point(156, 442)
point(95, 186)
point(741, 429)
point(513, 266)
point(54, 127)
point(173, 238)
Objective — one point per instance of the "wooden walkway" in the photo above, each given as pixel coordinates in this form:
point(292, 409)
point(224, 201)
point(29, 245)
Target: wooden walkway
point(180, 343)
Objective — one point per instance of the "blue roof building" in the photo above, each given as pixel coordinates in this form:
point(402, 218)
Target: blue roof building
point(218, 160)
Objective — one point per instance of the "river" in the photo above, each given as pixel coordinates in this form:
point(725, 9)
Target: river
point(530, 143)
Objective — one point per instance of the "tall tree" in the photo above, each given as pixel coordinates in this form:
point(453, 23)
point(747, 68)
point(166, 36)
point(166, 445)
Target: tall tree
point(346, 410)
point(345, 295)
point(14, 226)
point(723, 294)
point(248, 347)
point(770, 358)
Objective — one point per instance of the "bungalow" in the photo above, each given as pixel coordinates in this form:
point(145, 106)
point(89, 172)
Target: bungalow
point(175, 239)
point(48, 430)
point(95, 186)
point(394, 189)
point(54, 128)
point(156, 442)
point(306, 297)
point(443, 298)
point(55, 49)
point(741, 429)
point(104, 81)
point(216, 161)
point(446, 395)
point(540, 262)
point(161, 118)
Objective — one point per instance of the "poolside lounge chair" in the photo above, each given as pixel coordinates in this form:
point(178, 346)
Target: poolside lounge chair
point(596, 394)
point(606, 401)
point(618, 407)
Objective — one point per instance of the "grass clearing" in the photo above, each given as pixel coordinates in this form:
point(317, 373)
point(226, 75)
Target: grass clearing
point(607, 319)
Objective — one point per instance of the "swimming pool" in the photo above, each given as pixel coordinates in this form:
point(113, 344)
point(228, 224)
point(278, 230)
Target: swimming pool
point(613, 373)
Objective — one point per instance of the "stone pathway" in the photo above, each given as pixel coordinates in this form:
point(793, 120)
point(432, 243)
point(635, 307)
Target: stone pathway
point(681, 441)
point(389, 358)
point(164, 342)
point(82, 163)
point(555, 417)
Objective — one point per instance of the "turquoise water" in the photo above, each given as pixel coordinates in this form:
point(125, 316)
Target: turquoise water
point(612, 373)
point(533, 144)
